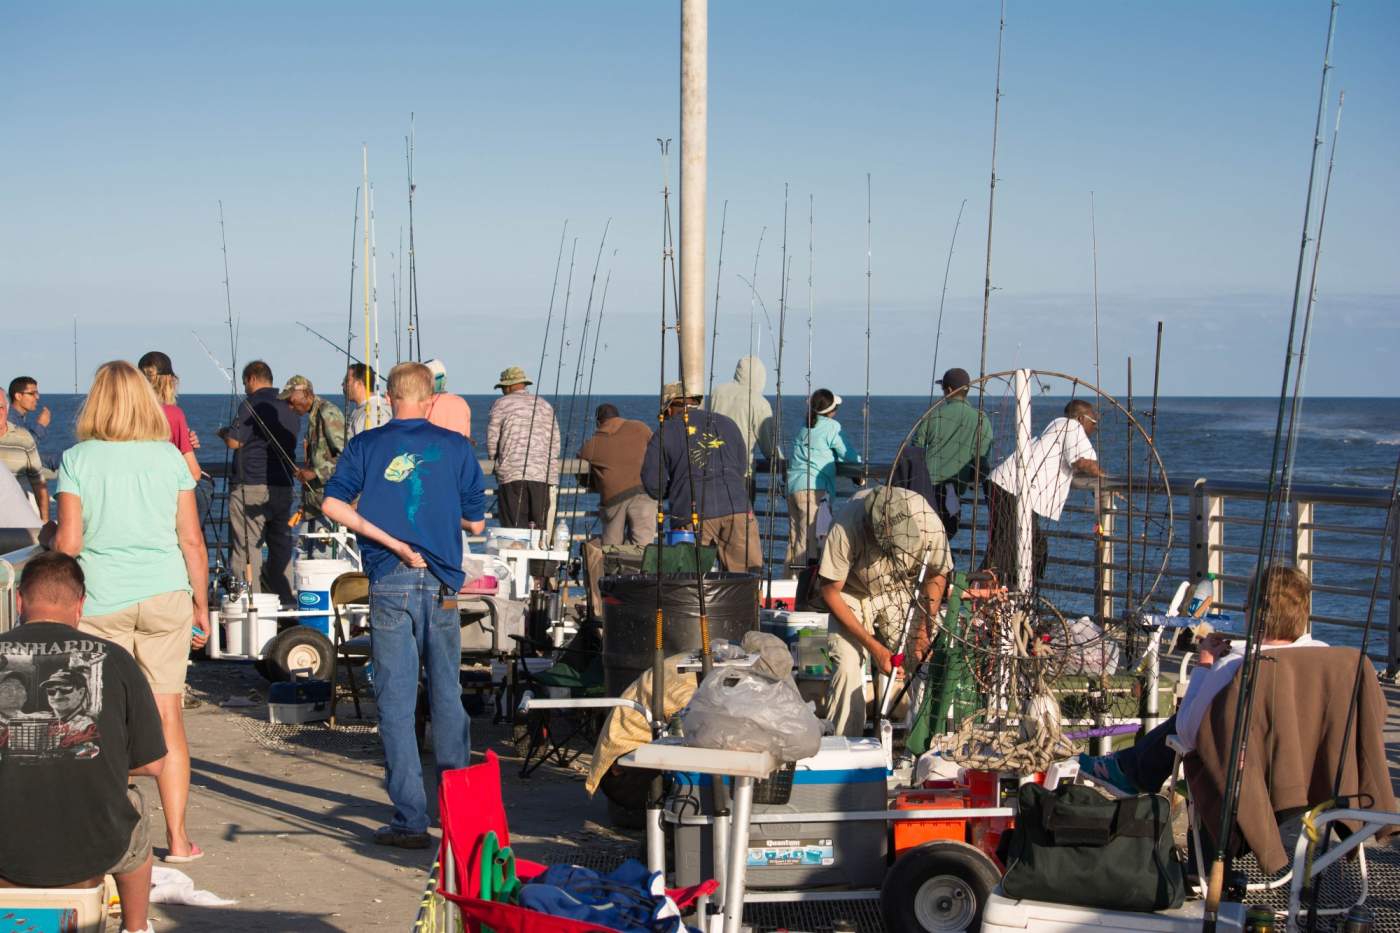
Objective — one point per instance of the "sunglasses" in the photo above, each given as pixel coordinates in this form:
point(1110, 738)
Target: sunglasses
point(59, 690)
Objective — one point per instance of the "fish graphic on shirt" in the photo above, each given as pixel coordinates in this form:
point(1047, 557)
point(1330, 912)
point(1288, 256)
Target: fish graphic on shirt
point(409, 469)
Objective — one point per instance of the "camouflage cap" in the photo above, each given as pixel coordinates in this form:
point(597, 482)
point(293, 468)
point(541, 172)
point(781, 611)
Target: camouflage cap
point(513, 376)
point(673, 391)
point(294, 383)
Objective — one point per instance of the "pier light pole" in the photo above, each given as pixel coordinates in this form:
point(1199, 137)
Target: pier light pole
point(694, 101)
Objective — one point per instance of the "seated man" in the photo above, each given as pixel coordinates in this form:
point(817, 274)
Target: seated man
point(870, 561)
point(1147, 765)
point(66, 753)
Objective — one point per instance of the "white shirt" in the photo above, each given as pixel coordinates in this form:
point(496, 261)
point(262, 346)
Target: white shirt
point(1206, 685)
point(1045, 468)
point(373, 413)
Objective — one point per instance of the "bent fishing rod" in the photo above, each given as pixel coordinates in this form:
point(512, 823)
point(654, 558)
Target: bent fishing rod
point(544, 347)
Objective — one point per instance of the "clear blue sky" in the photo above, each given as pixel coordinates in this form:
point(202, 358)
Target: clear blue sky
point(125, 124)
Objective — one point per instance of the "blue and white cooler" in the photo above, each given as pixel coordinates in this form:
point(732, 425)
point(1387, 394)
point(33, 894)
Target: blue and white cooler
point(313, 579)
point(847, 775)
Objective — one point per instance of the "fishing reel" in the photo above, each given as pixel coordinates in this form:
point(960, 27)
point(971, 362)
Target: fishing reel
point(229, 583)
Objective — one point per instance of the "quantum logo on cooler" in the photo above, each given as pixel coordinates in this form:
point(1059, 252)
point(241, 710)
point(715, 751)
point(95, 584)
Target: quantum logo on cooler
point(309, 599)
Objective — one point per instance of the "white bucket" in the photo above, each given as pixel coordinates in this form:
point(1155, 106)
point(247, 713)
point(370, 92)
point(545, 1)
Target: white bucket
point(313, 580)
point(237, 628)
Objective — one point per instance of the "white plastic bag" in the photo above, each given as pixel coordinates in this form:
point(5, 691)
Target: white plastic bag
point(1088, 650)
point(740, 710)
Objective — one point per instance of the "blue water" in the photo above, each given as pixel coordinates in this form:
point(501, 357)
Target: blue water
point(1341, 442)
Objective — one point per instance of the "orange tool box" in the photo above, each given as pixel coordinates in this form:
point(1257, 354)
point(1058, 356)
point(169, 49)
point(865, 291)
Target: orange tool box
point(911, 833)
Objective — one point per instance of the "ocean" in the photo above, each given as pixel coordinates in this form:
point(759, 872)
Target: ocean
point(1346, 442)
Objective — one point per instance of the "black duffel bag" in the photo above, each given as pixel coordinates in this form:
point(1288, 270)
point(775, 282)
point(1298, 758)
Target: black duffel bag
point(1073, 845)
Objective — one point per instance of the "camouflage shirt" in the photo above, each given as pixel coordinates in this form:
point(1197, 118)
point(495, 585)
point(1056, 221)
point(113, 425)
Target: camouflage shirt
point(325, 439)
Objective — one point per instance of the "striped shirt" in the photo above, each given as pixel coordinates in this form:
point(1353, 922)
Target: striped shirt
point(19, 453)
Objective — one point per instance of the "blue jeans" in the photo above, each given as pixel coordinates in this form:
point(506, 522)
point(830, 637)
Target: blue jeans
point(408, 629)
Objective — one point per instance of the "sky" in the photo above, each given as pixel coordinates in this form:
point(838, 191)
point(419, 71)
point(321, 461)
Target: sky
point(1190, 123)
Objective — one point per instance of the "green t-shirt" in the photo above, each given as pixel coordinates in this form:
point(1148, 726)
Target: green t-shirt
point(953, 444)
point(129, 492)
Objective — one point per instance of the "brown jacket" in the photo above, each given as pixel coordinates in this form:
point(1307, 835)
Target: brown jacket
point(614, 456)
point(1295, 745)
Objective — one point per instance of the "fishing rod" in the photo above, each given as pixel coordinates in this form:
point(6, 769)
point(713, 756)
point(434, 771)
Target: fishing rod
point(1268, 536)
point(397, 275)
point(75, 354)
point(544, 347)
point(350, 315)
point(1094, 246)
point(374, 278)
point(865, 411)
point(1312, 295)
point(714, 325)
point(658, 665)
point(349, 357)
point(1151, 440)
point(938, 334)
point(777, 420)
point(569, 422)
point(986, 292)
point(753, 292)
point(807, 406)
point(558, 378)
point(232, 461)
point(592, 366)
point(364, 187)
point(415, 324)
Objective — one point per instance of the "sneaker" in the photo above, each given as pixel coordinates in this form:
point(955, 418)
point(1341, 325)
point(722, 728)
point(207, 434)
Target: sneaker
point(1104, 769)
point(402, 838)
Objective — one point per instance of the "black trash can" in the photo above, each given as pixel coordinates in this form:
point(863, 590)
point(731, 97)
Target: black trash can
point(629, 618)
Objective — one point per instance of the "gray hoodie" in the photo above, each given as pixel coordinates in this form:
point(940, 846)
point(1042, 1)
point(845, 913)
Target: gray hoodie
point(742, 400)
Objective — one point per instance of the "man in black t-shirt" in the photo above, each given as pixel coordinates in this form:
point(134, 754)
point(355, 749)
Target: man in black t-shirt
point(67, 748)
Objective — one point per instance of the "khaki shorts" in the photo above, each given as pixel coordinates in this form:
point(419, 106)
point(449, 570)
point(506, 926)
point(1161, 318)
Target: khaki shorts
point(138, 849)
point(157, 632)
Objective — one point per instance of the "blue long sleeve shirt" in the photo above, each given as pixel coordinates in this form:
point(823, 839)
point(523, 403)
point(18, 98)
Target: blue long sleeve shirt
point(815, 454)
point(417, 482)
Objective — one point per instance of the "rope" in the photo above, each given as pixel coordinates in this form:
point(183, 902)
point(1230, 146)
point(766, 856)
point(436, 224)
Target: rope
point(986, 749)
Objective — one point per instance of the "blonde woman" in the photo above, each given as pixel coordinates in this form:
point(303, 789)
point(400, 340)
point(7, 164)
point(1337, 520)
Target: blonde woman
point(126, 510)
point(159, 372)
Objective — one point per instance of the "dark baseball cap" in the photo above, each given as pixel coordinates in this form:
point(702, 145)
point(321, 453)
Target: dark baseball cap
point(955, 378)
point(158, 361)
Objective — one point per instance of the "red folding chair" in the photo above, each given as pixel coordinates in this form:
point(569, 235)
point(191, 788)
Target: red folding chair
point(470, 803)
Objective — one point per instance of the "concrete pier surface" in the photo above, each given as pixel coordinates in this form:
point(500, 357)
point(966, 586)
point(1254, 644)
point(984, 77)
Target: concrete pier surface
point(285, 813)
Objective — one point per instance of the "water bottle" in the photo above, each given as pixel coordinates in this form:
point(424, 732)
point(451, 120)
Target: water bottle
point(1201, 597)
point(561, 536)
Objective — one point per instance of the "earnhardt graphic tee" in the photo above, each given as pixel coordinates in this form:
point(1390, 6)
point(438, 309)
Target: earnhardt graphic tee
point(76, 716)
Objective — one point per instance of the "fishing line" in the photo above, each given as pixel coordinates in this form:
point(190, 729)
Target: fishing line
point(1094, 247)
point(569, 423)
point(350, 315)
point(865, 412)
point(544, 346)
point(593, 365)
point(938, 334)
point(986, 295)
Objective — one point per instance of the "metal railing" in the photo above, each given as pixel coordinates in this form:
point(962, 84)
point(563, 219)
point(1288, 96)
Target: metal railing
point(11, 566)
point(1339, 536)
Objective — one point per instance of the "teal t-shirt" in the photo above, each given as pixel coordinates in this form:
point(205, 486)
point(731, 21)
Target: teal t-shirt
point(129, 491)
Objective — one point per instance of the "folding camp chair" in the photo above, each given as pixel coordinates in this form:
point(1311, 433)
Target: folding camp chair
point(472, 812)
point(349, 589)
point(561, 734)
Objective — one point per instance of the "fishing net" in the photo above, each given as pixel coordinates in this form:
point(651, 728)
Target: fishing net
point(1033, 619)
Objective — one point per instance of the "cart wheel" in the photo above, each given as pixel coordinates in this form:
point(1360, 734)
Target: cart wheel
point(299, 648)
point(938, 887)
